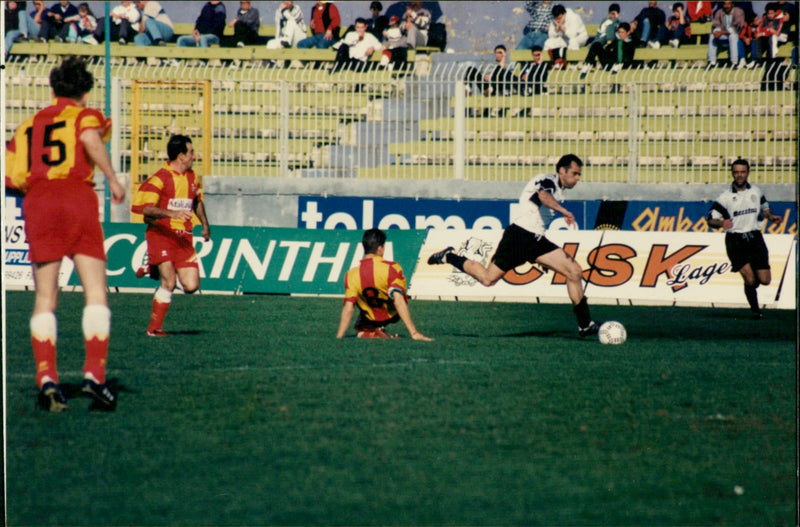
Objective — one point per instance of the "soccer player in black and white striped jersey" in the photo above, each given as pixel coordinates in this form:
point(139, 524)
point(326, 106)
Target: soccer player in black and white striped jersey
point(525, 241)
point(741, 211)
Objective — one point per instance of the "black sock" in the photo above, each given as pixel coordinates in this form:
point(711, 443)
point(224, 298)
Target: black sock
point(751, 292)
point(581, 310)
point(456, 260)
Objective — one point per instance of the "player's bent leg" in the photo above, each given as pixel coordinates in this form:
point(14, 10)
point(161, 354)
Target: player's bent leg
point(487, 276)
point(764, 276)
point(190, 279)
point(560, 262)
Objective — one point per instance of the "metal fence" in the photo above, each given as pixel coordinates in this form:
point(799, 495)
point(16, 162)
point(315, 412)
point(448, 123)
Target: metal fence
point(646, 125)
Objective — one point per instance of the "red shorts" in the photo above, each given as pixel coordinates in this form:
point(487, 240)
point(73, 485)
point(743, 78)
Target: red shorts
point(62, 219)
point(177, 248)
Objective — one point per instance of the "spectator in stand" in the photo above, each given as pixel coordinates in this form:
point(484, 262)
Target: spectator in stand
point(748, 41)
point(417, 22)
point(80, 28)
point(33, 22)
point(156, 27)
point(124, 24)
point(726, 25)
point(208, 27)
point(649, 26)
point(789, 14)
point(290, 28)
point(607, 30)
point(500, 80)
point(246, 24)
point(699, 11)
point(535, 31)
point(566, 31)
point(325, 22)
point(679, 29)
point(767, 34)
point(614, 55)
point(356, 48)
point(534, 74)
point(12, 24)
point(395, 49)
point(377, 23)
point(53, 20)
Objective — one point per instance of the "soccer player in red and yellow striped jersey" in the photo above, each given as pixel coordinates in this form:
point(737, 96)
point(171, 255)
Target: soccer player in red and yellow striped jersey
point(51, 159)
point(378, 287)
point(168, 200)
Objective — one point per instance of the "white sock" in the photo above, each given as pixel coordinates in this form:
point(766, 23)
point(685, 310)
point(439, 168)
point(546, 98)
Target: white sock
point(96, 321)
point(163, 295)
point(43, 326)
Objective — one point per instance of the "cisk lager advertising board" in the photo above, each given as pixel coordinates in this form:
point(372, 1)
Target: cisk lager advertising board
point(652, 267)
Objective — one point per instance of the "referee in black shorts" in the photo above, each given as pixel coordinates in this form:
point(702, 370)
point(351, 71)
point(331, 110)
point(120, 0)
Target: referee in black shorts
point(741, 211)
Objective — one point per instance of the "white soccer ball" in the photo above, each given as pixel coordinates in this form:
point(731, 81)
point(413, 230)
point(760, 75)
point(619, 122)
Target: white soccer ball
point(612, 332)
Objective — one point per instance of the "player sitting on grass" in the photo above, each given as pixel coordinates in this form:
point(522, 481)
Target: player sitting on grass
point(379, 288)
point(524, 240)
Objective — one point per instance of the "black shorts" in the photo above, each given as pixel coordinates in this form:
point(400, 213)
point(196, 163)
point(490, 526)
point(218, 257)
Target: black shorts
point(519, 246)
point(747, 248)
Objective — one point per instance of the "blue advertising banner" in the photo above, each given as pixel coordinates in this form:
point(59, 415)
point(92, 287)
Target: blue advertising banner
point(355, 213)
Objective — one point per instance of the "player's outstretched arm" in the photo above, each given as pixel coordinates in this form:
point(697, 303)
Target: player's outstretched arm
point(345, 318)
point(401, 306)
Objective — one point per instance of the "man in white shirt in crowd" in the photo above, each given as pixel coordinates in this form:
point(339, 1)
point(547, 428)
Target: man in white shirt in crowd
point(356, 48)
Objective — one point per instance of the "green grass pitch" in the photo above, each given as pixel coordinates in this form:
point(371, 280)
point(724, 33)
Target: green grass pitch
point(252, 413)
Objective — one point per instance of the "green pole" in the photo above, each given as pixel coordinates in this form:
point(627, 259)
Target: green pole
point(107, 28)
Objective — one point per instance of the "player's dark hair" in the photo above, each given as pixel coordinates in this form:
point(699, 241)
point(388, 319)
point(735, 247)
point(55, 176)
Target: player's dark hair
point(741, 161)
point(177, 146)
point(624, 25)
point(360, 20)
point(676, 5)
point(71, 79)
point(376, 5)
point(372, 239)
point(536, 48)
point(558, 10)
point(567, 160)
point(614, 7)
point(500, 46)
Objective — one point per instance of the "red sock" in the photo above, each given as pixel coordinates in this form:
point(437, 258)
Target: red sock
point(43, 342)
point(96, 356)
point(157, 317)
point(96, 330)
point(44, 353)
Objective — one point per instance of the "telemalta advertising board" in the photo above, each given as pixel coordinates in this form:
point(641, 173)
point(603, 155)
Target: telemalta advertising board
point(618, 266)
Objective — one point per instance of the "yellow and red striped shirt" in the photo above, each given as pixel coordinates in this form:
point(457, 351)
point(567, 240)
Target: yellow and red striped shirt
point(371, 286)
point(170, 190)
point(47, 146)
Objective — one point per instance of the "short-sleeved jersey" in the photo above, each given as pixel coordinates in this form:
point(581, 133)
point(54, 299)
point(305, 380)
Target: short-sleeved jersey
point(47, 146)
point(744, 207)
point(532, 216)
point(169, 190)
point(371, 286)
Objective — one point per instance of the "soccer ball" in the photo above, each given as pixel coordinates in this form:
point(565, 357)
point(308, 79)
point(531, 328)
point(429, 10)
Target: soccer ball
point(612, 332)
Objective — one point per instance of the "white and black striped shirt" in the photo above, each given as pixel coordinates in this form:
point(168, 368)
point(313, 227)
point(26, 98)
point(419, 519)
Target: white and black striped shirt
point(531, 216)
point(745, 207)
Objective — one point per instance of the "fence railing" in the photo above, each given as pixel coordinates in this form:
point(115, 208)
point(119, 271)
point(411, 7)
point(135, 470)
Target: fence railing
point(646, 125)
